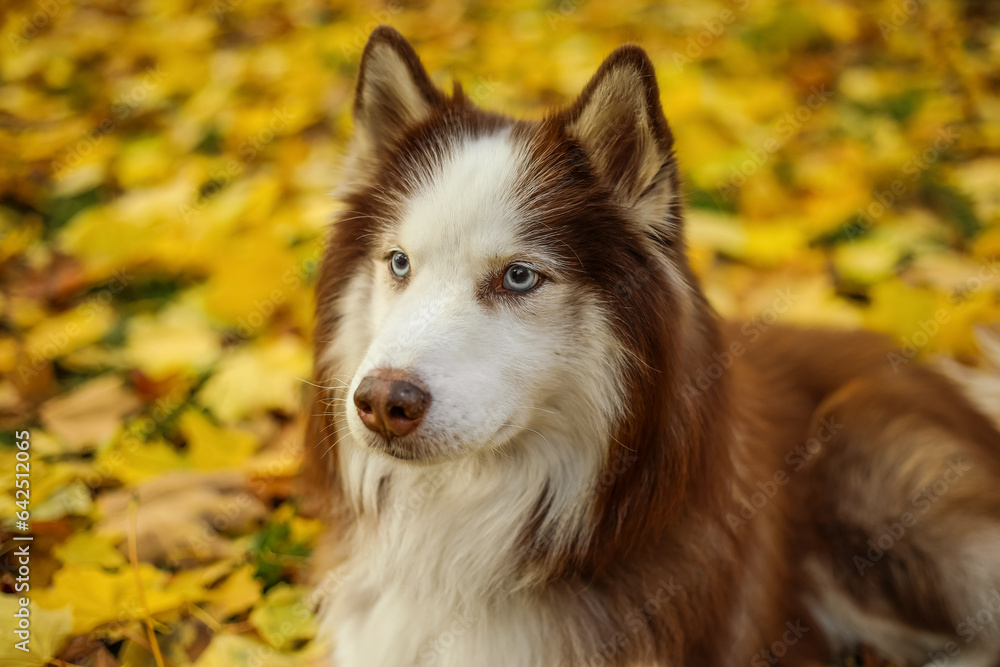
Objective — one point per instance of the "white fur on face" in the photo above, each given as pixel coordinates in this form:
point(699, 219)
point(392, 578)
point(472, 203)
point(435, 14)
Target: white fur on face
point(491, 364)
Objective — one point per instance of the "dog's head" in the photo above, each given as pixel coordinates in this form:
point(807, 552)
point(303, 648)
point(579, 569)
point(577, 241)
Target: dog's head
point(491, 278)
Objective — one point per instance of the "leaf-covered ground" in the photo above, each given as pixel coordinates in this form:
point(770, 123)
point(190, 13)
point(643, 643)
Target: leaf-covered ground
point(164, 170)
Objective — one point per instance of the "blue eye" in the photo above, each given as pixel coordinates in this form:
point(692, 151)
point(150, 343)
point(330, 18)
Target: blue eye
point(519, 278)
point(400, 265)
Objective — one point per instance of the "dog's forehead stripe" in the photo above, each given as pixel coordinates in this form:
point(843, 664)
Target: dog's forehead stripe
point(470, 200)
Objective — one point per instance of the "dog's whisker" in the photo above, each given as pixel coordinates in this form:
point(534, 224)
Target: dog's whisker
point(529, 429)
point(343, 385)
point(529, 407)
point(330, 435)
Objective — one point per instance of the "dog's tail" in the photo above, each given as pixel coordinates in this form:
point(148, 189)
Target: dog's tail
point(980, 385)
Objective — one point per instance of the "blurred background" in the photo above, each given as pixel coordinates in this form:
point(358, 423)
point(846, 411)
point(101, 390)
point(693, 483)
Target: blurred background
point(165, 170)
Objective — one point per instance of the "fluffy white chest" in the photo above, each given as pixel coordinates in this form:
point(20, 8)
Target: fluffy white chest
point(431, 574)
point(391, 628)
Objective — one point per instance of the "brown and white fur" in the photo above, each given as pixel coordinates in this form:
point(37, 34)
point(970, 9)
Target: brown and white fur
point(607, 473)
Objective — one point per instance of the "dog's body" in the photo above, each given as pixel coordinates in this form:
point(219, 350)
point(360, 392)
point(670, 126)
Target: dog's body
point(541, 448)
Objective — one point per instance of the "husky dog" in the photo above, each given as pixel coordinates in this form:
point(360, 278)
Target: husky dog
point(539, 446)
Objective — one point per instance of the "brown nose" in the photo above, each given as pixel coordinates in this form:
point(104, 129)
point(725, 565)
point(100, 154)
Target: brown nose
point(391, 403)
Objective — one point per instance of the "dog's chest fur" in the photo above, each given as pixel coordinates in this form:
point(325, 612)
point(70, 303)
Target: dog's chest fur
point(431, 578)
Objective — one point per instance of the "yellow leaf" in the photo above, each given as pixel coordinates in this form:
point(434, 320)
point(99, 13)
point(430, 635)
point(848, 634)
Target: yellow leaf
point(866, 261)
point(978, 179)
point(71, 500)
point(263, 376)
point(965, 312)
point(248, 285)
point(307, 531)
point(987, 246)
point(284, 616)
point(59, 335)
point(98, 597)
point(143, 161)
point(56, 490)
point(8, 353)
point(132, 461)
point(25, 313)
point(174, 341)
point(901, 310)
point(235, 595)
point(211, 447)
point(228, 650)
point(88, 548)
point(198, 581)
point(773, 244)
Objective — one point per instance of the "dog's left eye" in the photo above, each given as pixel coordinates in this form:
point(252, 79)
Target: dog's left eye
point(400, 265)
point(520, 278)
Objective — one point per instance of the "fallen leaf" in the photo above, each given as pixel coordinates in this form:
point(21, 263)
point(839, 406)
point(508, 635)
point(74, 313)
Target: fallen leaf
point(263, 376)
point(235, 595)
point(177, 340)
point(98, 597)
point(87, 548)
point(61, 334)
point(227, 650)
point(90, 414)
point(182, 517)
point(212, 447)
point(284, 617)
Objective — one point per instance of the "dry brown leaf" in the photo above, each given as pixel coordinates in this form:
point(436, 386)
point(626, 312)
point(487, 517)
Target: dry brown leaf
point(183, 517)
point(90, 414)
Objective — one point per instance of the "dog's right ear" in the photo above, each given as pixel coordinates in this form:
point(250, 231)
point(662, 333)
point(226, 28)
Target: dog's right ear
point(619, 122)
point(394, 91)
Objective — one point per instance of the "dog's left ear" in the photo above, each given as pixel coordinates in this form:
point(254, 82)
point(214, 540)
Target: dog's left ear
point(620, 123)
point(394, 91)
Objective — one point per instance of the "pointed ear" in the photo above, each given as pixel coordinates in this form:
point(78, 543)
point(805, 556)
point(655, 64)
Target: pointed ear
point(619, 122)
point(394, 91)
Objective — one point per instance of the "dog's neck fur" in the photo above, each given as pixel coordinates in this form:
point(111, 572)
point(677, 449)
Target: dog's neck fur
point(455, 532)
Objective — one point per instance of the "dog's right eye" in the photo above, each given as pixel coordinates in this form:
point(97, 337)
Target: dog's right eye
point(400, 265)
